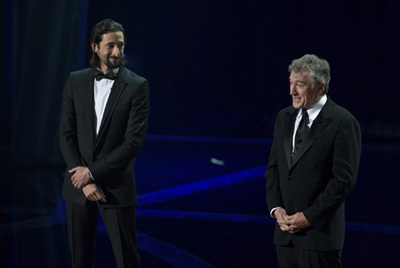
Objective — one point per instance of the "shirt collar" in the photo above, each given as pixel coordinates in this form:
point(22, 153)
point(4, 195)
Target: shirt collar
point(315, 109)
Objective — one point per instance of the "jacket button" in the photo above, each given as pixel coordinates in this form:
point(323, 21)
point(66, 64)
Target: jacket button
point(290, 178)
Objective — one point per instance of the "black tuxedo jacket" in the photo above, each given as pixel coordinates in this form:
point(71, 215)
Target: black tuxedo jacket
point(110, 155)
point(318, 179)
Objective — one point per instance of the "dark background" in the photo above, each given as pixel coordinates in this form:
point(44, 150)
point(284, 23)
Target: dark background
point(216, 68)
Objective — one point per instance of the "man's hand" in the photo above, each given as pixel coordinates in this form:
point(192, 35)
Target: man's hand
point(291, 223)
point(94, 193)
point(281, 217)
point(297, 222)
point(80, 176)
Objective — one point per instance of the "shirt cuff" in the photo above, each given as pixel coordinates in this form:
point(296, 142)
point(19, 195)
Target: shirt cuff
point(90, 174)
point(272, 212)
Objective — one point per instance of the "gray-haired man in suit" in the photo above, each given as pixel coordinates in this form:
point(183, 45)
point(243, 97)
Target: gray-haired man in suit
point(312, 168)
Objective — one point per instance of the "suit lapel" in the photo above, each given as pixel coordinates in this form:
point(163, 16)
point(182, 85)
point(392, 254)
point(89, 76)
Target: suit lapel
point(321, 122)
point(112, 101)
point(288, 134)
point(88, 89)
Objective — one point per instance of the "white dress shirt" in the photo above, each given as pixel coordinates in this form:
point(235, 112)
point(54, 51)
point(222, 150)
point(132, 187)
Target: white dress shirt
point(102, 90)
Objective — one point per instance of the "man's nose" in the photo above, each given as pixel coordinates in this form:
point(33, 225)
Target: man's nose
point(292, 89)
point(116, 52)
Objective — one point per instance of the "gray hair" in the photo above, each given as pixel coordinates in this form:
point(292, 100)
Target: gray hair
point(318, 69)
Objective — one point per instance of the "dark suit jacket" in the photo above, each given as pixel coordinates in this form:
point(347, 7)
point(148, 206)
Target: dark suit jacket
point(110, 156)
point(319, 179)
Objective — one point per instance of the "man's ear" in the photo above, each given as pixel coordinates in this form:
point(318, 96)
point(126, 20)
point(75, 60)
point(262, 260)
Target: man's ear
point(322, 88)
point(94, 47)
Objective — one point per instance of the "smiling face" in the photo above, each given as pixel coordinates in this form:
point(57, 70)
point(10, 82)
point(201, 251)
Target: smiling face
point(110, 51)
point(304, 95)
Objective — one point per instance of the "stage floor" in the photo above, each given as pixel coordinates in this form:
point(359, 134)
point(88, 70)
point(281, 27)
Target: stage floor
point(201, 204)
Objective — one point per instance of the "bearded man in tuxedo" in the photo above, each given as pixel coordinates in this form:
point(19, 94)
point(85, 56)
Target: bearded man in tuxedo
point(102, 129)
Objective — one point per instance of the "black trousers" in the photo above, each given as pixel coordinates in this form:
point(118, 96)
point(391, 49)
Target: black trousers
point(292, 257)
point(121, 228)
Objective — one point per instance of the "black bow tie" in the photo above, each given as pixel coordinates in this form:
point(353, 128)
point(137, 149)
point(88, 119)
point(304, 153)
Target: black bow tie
point(100, 75)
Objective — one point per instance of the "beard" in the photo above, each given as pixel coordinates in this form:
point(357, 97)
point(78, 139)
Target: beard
point(117, 62)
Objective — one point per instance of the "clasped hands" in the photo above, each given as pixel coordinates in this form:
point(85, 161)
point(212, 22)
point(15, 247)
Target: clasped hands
point(81, 179)
point(291, 223)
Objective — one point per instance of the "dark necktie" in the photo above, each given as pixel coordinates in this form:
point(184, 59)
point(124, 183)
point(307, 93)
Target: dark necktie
point(100, 75)
point(302, 131)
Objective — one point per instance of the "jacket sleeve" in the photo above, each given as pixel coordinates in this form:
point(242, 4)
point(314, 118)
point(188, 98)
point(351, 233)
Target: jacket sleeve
point(67, 132)
point(273, 192)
